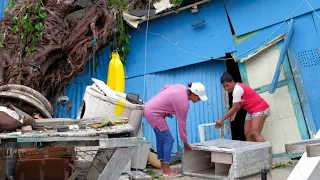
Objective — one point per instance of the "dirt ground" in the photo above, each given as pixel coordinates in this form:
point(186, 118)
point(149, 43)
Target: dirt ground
point(281, 169)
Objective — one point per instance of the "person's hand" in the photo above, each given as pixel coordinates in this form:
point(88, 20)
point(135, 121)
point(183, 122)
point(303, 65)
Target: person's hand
point(219, 123)
point(187, 146)
point(233, 116)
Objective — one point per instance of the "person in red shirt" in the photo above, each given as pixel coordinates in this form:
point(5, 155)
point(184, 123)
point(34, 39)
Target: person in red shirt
point(257, 108)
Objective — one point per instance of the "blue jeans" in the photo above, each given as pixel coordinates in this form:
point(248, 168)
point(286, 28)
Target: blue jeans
point(164, 144)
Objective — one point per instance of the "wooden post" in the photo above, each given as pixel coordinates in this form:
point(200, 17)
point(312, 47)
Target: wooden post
point(117, 163)
point(99, 162)
point(299, 147)
point(313, 150)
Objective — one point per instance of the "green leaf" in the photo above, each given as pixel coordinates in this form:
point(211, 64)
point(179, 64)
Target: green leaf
point(15, 20)
point(11, 3)
point(39, 26)
point(24, 35)
point(42, 15)
point(38, 7)
point(33, 48)
point(14, 29)
point(127, 39)
point(34, 39)
point(38, 34)
point(25, 17)
point(27, 49)
point(6, 9)
point(30, 27)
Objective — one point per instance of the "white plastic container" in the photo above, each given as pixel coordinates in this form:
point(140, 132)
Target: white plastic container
point(96, 104)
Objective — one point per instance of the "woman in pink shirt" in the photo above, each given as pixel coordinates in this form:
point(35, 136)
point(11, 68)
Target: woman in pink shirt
point(256, 107)
point(173, 99)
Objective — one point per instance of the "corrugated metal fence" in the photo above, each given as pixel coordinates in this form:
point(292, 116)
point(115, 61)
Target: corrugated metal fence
point(200, 113)
point(76, 89)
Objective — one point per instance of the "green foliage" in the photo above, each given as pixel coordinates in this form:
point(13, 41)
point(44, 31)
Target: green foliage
point(176, 2)
point(123, 38)
point(30, 25)
point(11, 3)
point(283, 165)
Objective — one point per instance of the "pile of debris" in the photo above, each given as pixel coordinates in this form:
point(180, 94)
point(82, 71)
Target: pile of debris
point(47, 42)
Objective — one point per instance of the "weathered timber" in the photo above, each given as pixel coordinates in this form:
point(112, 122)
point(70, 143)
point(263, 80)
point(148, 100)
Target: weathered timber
point(299, 147)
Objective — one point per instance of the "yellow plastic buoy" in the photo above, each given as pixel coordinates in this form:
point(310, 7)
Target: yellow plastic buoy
point(116, 73)
point(116, 80)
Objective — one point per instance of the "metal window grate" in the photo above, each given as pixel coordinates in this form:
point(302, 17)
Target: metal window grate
point(309, 58)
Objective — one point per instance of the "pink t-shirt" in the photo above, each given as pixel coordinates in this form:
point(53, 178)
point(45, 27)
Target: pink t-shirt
point(250, 100)
point(173, 99)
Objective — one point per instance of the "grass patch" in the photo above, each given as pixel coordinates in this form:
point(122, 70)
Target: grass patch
point(154, 175)
point(283, 165)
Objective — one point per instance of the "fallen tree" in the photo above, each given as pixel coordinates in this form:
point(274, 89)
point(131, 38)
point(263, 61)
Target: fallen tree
point(45, 43)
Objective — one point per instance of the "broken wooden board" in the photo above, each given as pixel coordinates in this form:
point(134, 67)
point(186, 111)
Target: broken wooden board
point(68, 121)
point(313, 150)
point(307, 168)
point(99, 162)
point(118, 129)
point(220, 159)
point(299, 147)
point(117, 163)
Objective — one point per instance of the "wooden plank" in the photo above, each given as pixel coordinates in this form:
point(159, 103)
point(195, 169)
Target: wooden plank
point(283, 53)
point(68, 121)
point(99, 162)
point(117, 163)
point(299, 147)
point(109, 130)
point(75, 174)
point(306, 168)
point(53, 141)
point(3, 169)
point(119, 142)
point(221, 157)
point(313, 150)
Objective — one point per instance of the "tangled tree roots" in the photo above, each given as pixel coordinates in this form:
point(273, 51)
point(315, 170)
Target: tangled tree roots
point(62, 50)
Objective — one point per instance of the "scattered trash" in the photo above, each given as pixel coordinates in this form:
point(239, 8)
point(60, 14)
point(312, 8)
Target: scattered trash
point(25, 129)
point(74, 127)
point(108, 123)
point(62, 129)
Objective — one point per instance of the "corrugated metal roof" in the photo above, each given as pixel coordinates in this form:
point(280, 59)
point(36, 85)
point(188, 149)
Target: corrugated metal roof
point(166, 45)
point(76, 89)
point(200, 113)
point(3, 5)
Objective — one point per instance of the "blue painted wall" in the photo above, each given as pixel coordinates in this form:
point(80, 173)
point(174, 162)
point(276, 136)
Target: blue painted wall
point(210, 39)
point(76, 89)
point(304, 55)
point(316, 18)
point(203, 112)
point(3, 5)
point(250, 15)
point(258, 39)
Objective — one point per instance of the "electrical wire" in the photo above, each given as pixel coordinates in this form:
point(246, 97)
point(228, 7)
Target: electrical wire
point(204, 57)
point(313, 9)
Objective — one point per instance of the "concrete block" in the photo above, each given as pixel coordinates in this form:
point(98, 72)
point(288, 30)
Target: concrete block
point(220, 159)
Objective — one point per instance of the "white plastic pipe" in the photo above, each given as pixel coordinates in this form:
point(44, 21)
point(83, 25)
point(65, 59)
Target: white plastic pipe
point(201, 130)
